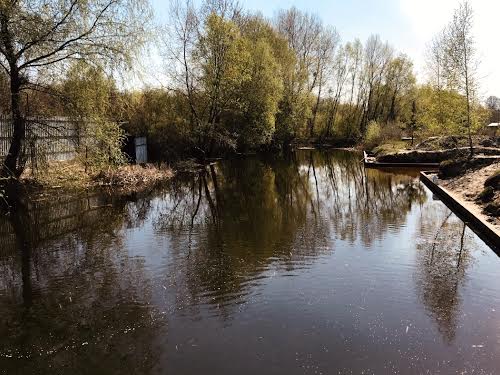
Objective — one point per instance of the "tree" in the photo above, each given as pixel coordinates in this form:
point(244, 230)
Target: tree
point(39, 37)
point(314, 48)
point(413, 125)
point(436, 68)
point(377, 56)
point(340, 74)
point(260, 89)
point(90, 98)
point(229, 68)
point(399, 81)
point(205, 50)
point(493, 104)
point(325, 54)
point(461, 61)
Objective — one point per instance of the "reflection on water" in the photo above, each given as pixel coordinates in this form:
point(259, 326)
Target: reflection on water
point(301, 264)
point(443, 263)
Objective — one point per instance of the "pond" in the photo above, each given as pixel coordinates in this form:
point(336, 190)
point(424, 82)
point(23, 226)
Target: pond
point(305, 264)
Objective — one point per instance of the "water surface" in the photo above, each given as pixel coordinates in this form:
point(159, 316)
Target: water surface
point(307, 264)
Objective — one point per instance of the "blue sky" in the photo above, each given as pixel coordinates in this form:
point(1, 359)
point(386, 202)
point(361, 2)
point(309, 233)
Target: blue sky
point(408, 25)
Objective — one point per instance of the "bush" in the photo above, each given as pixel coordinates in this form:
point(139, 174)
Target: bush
point(373, 135)
point(451, 168)
point(493, 181)
point(493, 208)
point(486, 195)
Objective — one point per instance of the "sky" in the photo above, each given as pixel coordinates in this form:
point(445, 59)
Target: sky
point(408, 25)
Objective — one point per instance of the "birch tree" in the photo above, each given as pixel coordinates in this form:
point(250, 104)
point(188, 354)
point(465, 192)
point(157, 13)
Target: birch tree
point(461, 60)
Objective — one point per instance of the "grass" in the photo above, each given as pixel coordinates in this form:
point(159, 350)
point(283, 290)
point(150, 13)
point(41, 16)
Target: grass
point(390, 147)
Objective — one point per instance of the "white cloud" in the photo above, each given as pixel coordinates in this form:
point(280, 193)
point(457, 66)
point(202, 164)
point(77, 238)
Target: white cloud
point(428, 17)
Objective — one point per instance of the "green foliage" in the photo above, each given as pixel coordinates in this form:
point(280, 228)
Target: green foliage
point(91, 101)
point(40, 40)
point(260, 93)
point(444, 112)
point(161, 116)
point(248, 82)
point(373, 135)
point(104, 147)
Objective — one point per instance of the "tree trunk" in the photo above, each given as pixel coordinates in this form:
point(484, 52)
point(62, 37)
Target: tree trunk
point(315, 109)
point(392, 111)
point(469, 124)
point(11, 166)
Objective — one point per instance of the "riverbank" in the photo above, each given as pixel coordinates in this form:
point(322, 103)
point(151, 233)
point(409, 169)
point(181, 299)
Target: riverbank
point(72, 175)
point(435, 150)
point(475, 192)
point(474, 187)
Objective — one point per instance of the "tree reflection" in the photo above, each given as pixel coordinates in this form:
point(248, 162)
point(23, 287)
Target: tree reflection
point(72, 291)
point(444, 256)
point(233, 223)
point(72, 300)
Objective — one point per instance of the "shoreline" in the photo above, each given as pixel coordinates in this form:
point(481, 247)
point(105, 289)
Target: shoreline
point(468, 211)
point(469, 185)
point(71, 178)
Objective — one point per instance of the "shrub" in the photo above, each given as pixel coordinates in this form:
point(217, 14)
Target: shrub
point(486, 195)
point(451, 168)
point(373, 135)
point(493, 181)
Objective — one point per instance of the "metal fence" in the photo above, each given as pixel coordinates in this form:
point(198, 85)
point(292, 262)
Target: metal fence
point(44, 221)
point(56, 138)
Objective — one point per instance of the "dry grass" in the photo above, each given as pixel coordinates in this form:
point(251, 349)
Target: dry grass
point(72, 175)
point(132, 175)
point(391, 147)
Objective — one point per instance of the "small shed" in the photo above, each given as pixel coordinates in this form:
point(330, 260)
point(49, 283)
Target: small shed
point(141, 150)
point(493, 127)
point(136, 148)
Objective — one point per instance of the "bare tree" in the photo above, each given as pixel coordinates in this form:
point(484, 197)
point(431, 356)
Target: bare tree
point(328, 42)
point(461, 61)
point(314, 46)
point(436, 68)
point(493, 104)
point(339, 78)
point(377, 57)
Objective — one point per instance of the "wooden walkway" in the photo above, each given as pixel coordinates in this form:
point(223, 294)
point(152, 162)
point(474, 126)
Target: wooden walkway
point(487, 232)
point(371, 162)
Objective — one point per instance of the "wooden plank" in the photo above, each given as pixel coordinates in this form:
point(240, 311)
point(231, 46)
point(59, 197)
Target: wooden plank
point(376, 164)
point(481, 227)
point(141, 150)
point(432, 166)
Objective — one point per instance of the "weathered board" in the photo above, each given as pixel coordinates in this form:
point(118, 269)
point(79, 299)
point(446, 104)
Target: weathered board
point(141, 150)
